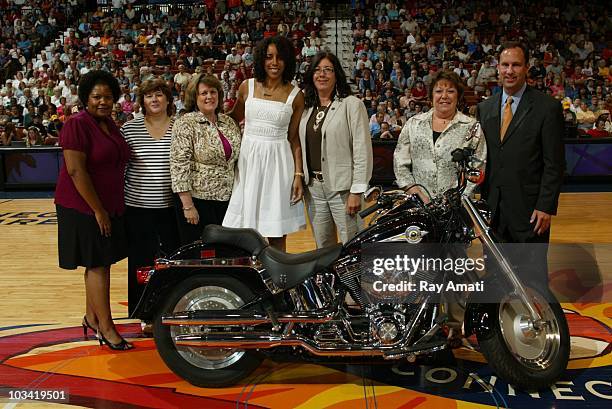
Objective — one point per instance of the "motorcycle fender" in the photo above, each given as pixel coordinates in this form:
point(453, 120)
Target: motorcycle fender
point(163, 281)
point(479, 319)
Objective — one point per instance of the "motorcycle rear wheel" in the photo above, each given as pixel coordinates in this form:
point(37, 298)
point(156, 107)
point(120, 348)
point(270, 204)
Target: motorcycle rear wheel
point(204, 367)
point(529, 361)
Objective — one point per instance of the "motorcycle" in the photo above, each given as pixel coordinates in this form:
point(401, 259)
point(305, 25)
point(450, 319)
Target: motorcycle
point(220, 304)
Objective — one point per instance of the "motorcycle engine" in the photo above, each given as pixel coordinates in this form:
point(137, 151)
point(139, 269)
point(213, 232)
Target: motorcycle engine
point(352, 273)
point(387, 322)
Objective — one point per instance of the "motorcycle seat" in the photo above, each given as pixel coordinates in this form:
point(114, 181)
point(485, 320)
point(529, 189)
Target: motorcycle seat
point(288, 270)
point(246, 239)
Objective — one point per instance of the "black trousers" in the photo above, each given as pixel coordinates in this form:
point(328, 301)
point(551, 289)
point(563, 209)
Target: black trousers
point(527, 251)
point(151, 233)
point(210, 212)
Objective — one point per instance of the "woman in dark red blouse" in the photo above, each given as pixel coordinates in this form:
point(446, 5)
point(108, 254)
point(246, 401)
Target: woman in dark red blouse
point(89, 200)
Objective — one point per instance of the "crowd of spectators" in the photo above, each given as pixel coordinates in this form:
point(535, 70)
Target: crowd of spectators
point(45, 47)
point(399, 45)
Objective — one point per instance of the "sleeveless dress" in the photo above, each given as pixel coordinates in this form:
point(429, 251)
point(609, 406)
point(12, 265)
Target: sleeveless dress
point(262, 185)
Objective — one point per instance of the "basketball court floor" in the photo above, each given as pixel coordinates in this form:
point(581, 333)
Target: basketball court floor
point(42, 346)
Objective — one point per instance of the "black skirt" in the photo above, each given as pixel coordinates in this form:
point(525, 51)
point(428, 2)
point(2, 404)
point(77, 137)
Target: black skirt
point(80, 243)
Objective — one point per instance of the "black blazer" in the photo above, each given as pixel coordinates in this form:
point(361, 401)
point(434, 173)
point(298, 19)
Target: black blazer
point(525, 171)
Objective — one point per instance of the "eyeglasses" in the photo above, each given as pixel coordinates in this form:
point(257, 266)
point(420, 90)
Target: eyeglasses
point(324, 70)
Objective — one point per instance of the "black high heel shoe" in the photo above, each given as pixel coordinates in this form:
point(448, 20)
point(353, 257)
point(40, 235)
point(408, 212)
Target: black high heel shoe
point(121, 346)
point(86, 325)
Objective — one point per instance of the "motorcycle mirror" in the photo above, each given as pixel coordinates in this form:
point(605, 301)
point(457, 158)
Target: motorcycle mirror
point(372, 193)
point(457, 155)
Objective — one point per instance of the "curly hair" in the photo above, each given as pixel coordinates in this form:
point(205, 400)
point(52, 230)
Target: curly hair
point(285, 52)
point(98, 77)
point(342, 89)
point(153, 85)
point(191, 94)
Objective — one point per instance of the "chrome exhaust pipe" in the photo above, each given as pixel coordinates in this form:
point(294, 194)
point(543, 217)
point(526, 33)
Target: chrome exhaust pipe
point(264, 340)
point(239, 317)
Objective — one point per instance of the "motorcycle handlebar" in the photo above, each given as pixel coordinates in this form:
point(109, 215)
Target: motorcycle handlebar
point(369, 210)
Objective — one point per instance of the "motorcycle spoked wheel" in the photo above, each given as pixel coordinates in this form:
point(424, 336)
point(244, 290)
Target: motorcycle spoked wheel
point(527, 362)
point(204, 367)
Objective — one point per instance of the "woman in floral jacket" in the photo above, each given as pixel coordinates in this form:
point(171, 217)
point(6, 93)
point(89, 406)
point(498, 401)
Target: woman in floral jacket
point(205, 147)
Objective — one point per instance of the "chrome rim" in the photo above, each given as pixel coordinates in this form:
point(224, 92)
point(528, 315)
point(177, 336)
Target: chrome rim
point(206, 298)
point(535, 349)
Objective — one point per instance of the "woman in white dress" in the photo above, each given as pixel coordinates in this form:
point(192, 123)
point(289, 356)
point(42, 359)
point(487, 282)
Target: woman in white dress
point(268, 186)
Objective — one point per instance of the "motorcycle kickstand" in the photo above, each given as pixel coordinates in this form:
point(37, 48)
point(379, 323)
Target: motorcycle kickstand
point(440, 319)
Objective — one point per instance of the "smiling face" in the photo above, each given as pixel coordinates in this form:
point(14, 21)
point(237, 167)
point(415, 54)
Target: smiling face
point(512, 69)
point(273, 64)
point(155, 102)
point(445, 97)
point(100, 101)
point(208, 99)
point(324, 77)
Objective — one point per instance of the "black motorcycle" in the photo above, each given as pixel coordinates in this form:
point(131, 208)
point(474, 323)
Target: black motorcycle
point(219, 305)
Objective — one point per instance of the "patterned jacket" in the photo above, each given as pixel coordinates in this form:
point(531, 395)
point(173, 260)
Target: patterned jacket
point(418, 160)
point(197, 158)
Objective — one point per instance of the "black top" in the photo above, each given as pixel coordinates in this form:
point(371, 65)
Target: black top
point(436, 135)
point(313, 139)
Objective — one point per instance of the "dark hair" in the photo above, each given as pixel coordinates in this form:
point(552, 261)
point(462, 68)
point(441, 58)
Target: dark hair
point(310, 92)
point(285, 52)
point(516, 44)
point(153, 85)
point(451, 77)
point(98, 77)
point(601, 118)
point(191, 94)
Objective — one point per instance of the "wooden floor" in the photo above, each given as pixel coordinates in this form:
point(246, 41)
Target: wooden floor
point(34, 286)
point(38, 295)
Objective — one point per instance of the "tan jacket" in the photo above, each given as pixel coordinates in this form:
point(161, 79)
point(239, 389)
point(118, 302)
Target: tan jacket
point(346, 146)
point(197, 158)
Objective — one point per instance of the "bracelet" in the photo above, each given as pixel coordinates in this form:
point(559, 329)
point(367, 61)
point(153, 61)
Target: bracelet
point(187, 208)
point(298, 174)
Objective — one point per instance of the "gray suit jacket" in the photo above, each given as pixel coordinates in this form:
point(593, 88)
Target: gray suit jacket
point(346, 146)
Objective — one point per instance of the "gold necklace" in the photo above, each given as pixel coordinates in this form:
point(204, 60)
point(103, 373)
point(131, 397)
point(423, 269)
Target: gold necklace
point(269, 93)
point(444, 121)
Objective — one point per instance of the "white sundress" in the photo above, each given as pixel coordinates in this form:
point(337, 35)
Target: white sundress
point(262, 186)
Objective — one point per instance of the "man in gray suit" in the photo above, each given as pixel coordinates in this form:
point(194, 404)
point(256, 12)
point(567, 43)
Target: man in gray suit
point(525, 162)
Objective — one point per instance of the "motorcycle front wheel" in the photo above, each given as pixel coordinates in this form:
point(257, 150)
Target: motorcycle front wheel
point(204, 367)
point(526, 358)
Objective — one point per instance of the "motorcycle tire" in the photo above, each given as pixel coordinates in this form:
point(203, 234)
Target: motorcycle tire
point(527, 361)
point(213, 368)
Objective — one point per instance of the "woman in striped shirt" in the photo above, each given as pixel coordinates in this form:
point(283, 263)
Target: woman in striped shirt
point(150, 217)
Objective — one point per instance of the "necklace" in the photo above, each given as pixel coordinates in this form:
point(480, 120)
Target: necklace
point(321, 112)
point(444, 121)
point(269, 93)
